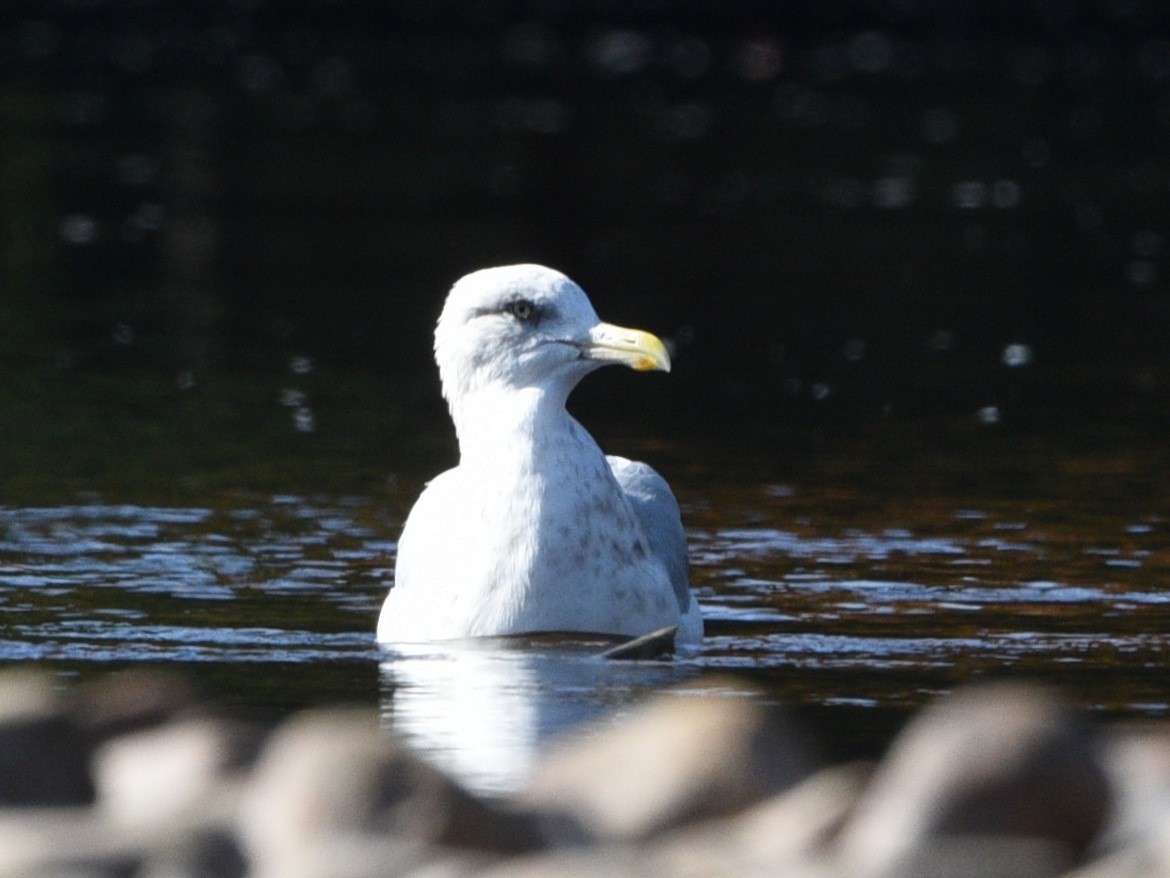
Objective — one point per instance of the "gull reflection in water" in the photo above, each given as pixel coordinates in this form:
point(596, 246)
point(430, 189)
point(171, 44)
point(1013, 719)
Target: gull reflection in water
point(482, 709)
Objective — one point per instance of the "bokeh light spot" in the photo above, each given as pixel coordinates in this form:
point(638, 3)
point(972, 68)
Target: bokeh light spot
point(1016, 355)
point(619, 52)
point(78, 229)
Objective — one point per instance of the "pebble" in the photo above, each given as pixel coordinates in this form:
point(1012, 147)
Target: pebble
point(155, 775)
point(1136, 757)
point(44, 757)
point(201, 853)
point(329, 777)
point(128, 701)
point(794, 828)
point(991, 762)
point(671, 761)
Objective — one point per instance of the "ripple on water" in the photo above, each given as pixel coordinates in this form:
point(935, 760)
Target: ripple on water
point(97, 583)
point(990, 596)
point(892, 612)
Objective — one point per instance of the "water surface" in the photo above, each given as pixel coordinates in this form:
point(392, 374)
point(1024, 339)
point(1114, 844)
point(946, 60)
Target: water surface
point(829, 601)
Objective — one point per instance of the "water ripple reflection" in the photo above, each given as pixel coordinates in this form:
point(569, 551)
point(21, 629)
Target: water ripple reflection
point(482, 710)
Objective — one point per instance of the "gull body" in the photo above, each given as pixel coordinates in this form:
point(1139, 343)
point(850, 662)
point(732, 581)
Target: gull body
point(536, 529)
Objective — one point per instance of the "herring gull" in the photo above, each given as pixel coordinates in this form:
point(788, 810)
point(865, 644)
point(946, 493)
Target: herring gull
point(536, 529)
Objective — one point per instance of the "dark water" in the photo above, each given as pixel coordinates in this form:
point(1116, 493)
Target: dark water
point(846, 599)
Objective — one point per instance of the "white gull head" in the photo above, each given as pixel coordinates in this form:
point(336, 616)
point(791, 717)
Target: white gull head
point(520, 328)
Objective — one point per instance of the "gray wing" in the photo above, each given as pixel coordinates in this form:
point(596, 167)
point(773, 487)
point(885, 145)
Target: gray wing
point(658, 513)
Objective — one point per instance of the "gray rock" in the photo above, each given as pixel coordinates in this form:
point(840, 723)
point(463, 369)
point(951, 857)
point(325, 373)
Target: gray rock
point(998, 760)
point(65, 841)
point(1136, 861)
point(205, 853)
point(800, 823)
point(982, 856)
point(44, 759)
point(379, 856)
point(1136, 843)
point(328, 778)
point(788, 833)
point(156, 775)
point(461, 866)
point(129, 701)
point(676, 758)
point(640, 861)
point(595, 862)
point(1137, 760)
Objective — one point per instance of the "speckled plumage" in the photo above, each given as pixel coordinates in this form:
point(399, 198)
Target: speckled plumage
point(535, 529)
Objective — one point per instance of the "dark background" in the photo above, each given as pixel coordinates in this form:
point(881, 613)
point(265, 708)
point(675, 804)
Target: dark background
point(228, 226)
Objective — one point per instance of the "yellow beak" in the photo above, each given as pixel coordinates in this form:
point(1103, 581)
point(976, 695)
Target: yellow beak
point(635, 348)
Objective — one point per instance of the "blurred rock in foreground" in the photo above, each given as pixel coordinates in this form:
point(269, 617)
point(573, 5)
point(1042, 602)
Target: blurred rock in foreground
point(994, 781)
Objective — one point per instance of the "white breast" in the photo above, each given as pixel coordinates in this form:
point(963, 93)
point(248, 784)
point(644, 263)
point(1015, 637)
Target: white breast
point(507, 550)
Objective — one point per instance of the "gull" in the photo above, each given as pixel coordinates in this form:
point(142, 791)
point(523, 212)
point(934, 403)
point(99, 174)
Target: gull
point(536, 529)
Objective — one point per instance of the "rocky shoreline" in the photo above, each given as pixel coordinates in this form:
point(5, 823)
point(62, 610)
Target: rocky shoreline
point(133, 775)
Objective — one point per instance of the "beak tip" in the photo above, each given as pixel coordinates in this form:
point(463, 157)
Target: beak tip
point(656, 359)
point(635, 348)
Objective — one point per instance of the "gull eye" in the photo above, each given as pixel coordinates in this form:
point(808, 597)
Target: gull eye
point(522, 310)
